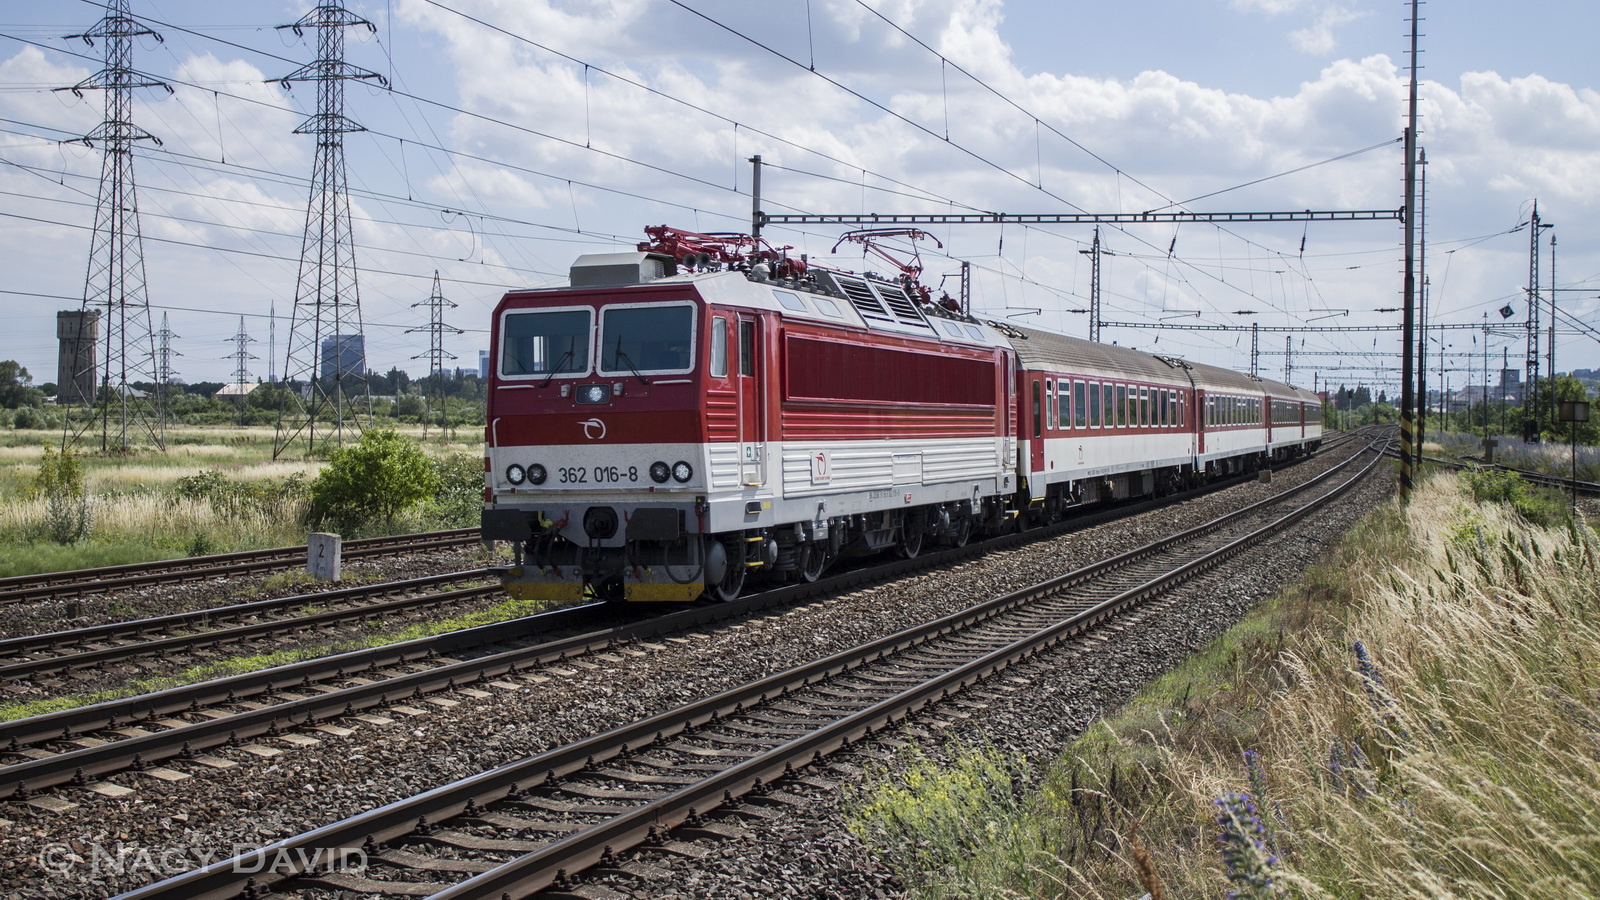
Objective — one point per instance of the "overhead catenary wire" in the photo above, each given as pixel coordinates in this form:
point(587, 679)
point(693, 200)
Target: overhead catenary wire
point(1180, 279)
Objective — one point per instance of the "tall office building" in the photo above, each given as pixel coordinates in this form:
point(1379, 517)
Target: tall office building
point(344, 356)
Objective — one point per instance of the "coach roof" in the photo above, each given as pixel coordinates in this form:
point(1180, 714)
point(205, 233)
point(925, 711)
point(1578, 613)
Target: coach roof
point(1044, 350)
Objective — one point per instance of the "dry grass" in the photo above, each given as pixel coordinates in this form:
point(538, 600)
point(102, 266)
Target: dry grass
point(1461, 760)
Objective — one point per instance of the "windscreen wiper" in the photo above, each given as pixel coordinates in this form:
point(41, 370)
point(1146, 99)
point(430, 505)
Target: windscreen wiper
point(556, 368)
point(622, 355)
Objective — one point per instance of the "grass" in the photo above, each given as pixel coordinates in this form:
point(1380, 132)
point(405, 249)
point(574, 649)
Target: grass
point(1460, 758)
point(137, 512)
point(1553, 457)
point(500, 612)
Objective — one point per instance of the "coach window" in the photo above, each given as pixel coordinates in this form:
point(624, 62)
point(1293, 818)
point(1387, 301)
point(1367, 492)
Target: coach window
point(1064, 403)
point(1079, 412)
point(747, 348)
point(1144, 408)
point(1093, 389)
point(1049, 403)
point(1119, 407)
point(1108, 405)
point(719, 347)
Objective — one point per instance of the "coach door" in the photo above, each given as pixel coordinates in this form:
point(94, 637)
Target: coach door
point(752, 404)
point(1040, 421)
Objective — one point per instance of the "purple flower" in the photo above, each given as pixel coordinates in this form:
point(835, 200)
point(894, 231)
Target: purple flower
point(1258, 790)
point(1246, 858)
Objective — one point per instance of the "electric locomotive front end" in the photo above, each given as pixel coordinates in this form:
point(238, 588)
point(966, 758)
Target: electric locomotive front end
point(595, 454)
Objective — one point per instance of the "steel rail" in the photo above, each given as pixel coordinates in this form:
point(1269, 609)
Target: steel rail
point(542, 868)
point(166, 645)
point(19, 588)
point(1542, 479)
point(21, 779)
point(226, 878)
point(32, 643)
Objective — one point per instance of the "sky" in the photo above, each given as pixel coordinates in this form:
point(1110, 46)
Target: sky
point(512, 136)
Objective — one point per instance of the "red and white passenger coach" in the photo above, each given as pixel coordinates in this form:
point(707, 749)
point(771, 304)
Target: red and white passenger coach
point(706, 409)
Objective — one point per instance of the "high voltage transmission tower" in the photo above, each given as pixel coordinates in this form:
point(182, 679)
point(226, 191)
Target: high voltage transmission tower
point(164, 373)
point(326, 350)
point(116, 273)
point(436, 354)
point(241, 365)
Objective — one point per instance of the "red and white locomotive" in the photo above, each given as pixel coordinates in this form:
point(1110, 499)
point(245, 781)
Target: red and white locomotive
point(707, 409)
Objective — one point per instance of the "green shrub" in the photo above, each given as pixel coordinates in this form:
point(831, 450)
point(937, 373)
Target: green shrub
point(273, 498)
point(28, 417)
point(68, 515)
point(372, 481)
point(408, 406)
point(1538, 506)
point(460, 498)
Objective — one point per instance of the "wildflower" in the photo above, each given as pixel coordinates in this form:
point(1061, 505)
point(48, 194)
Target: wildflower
point(1377, 692)
point(1371, 675)
point(1258, 790)
point(1247, 861)
point(1347, 765)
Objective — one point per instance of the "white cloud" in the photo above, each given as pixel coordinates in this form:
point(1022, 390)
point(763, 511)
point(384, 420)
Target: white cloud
point(1318, 39)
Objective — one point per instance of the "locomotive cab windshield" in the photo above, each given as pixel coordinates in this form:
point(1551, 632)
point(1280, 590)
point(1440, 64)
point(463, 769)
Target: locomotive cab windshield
point(646, 339)
point(546, 343)
point(633, 340)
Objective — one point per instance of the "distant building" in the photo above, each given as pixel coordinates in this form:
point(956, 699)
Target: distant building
point(78, 332)
point(1511, 390)
point(344, 358)
point(483, 364)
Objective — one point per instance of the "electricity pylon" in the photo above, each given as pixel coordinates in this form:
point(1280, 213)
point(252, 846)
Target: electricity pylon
point(436, 354)
point(116, 275)
point(327, 302)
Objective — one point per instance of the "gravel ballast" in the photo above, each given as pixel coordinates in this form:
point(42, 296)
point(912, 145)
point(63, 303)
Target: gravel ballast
point(805, 853)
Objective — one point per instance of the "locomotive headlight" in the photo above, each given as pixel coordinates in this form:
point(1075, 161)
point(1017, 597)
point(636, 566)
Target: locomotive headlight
point(659, 472)
point(682, 471)
point(516, 474)
point(594, 393)
point(537, 474)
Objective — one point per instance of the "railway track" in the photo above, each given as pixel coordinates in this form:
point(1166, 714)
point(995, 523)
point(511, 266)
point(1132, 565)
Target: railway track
point(48, 585)
point(1553, 482)
point(49, 659)
point(711, 766)
point(76, 746)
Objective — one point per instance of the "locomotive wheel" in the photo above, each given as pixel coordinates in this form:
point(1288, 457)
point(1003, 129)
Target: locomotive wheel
point(960, 532)
point(911, 532)
point(813, 559)
point(609, 590)
point(727, 588)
